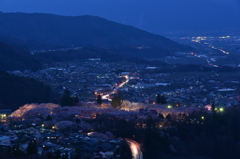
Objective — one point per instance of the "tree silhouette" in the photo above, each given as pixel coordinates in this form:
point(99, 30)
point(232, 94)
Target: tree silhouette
point(74, 100)
point(126, 152)
point(99, 99)
point(57, 154)
point(16, 151)
point(158, 99)
point(48, 118)
point(169, 117)
point(213, 106)
point(78, 153)
point(32, 148)
point(160, 116)
point(66, 99)
point(65, 156)
point(77, 121)
point(116, 101)
point(161, 99)
point(49, 155)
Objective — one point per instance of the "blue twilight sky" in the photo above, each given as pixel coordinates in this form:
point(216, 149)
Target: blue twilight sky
point(153, 15)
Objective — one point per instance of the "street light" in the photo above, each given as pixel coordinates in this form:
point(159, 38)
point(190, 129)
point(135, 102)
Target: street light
point(221, 109)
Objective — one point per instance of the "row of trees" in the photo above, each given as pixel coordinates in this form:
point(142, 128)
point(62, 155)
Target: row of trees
point(68, 100)
point(161, 99)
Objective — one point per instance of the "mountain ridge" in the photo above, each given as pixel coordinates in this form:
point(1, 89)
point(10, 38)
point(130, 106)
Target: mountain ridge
point(57, 30)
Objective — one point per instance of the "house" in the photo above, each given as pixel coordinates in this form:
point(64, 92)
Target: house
point(23, 147)
point(85, 149)
point(106, 146)
point(5, 140)
point(37, 138)
point(3, 127)
point(124, 73)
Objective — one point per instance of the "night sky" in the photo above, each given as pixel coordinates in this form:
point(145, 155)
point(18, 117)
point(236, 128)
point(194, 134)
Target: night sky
point(153, 15)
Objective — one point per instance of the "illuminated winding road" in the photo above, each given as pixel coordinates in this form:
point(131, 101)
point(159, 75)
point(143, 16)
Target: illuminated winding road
point(115, 89)
point(135, 148)
point(213, 47)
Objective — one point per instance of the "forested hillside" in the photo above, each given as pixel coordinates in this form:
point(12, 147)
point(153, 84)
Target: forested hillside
point(16, 91)
point(14, 57)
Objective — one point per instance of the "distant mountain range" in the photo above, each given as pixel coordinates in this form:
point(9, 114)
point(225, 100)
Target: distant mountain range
point(41, 30)
point(156, 16)
point(14, 57)
point(161, 16)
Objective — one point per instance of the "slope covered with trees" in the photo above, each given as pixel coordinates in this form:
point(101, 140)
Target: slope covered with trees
point(16, 91)
point(16, 58)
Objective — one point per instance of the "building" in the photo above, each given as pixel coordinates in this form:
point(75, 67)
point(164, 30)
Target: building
point(5, 140)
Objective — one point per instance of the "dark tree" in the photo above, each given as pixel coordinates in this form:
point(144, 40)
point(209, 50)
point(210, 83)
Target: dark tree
point(116, 101)
point(49, 155)
point(57, 154)
point(78, 153)
point(74, 100)
point(32, 148)
point(163, 100)
point(160, 116)
point(2, 129)
point(150, 122)
point(213, 107)
point(66, 99)
point(77, 121)
point(49, 118)
point(99, 99)
point(65, 156)
point(158, 99)
point(169, 117)
point(16, 152)
point(126, 152)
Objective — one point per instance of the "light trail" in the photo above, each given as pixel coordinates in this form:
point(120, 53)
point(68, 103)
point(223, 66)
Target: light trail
point(210, 46)
point(135, 148)
point(115, 89)
point(208, 61)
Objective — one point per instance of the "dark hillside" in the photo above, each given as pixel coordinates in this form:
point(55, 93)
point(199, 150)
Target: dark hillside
point(16, 91)
point(13, 57)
